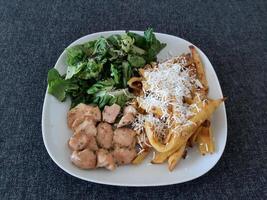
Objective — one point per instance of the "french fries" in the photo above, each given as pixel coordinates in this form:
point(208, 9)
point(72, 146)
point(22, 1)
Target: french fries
point(155, 110)
point(160, 157)
point(175, 158)
point(193, 139)
point(171, 137)
point(178, 139)
point(140, 157)
point(199, 67)
point(205, 139)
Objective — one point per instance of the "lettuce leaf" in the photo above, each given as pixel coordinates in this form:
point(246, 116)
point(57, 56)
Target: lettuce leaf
point(98, 71)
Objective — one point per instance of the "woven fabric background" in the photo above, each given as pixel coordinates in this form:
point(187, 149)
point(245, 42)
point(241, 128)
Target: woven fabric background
point(233, 34)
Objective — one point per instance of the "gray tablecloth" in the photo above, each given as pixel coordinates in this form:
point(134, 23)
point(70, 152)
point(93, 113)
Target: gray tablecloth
point(233, 34)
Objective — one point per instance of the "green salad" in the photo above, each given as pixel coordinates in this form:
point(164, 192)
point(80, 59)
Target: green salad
point(98, 70)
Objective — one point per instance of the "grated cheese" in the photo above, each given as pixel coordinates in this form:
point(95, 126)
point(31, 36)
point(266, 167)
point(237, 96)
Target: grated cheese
point(167, 84)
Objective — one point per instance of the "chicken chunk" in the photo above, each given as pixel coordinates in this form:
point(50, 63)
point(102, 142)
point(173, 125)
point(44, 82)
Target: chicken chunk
point(83, 111)
point(105, 159)
point(94, 113)
point(124, 156)
point(80, 120)
point(126, 120)
point(87, 127)
point(78, 141)
point(76, 123)
point(130, 110)
point(124, 137)
point(110, 113)
point(104, 135)
point(85, 159)
point(92, 145)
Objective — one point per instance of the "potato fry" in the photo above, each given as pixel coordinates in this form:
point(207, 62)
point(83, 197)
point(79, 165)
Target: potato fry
point(155, 110)
point(160, 157)
point(205, 139)
point(141, 72)
point(189, 101)
point(175, 158)
point(193, 139)
point(140, 157)
point(178, 139)
point(199, 67)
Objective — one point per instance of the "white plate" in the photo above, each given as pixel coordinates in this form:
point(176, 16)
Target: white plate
point(56, 132)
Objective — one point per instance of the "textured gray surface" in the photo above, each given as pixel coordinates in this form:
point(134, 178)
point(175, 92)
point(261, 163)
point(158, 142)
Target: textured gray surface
point(233, 35)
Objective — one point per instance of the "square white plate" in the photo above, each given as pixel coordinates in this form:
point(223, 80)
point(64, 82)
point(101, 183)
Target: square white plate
point(56, 132)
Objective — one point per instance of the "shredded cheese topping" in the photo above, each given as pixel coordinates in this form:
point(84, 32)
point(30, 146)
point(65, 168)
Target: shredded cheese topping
point(165, 87)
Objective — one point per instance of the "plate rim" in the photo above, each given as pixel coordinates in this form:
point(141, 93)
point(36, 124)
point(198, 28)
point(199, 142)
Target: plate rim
point(132, 184)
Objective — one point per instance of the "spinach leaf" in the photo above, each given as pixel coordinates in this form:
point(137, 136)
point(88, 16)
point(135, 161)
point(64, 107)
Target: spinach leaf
point(89, 47)
point(100, 48)
point(105, 85)
point(91, 70)
point(53, 75)
point(74, 55)
point(98, 70)
point(126, 73)
point(126, 43)
point(114, 40)
point(137, 50)
point(155, 46)
point(115, 74)
point(139, 40)
point(119, 97)
point(59, 87)
point(136, 61)
point(116, 54)
point(73, 70)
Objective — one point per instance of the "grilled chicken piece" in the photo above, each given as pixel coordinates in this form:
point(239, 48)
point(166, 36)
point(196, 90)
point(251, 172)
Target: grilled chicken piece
point(87, 127)
point(105, 159)
point(124, 156)
point(83, 111)
point(126, 120)
point(124, 137)
point(85, 159)
point(80, 120)
point(92, 145)
point(128, 116)
point(104, 135)
point(78, 141)
point(110, 113)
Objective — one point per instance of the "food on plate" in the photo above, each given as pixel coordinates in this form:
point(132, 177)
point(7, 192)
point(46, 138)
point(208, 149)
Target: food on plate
point(98, 143)
point(105, 159)
point(85, 159)
point(175, 109)
point(82, 112)
point(87, 127)
point(104, 135)
point(125, 104)
point(205, 139)
point(110, 113)
point(124, 137)
point(124, 156)
point(185, 131)
point(176, 157)
point(128, 117)
point(79, 141)
point(98, 71)
point(141, 156)
point(199, 68)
